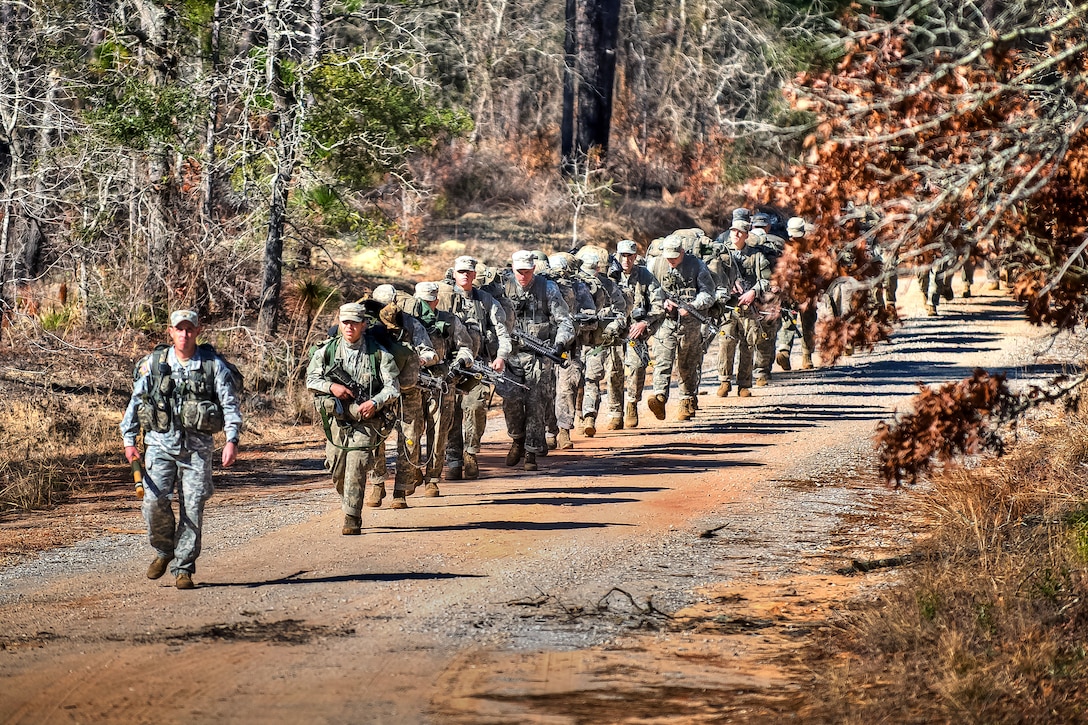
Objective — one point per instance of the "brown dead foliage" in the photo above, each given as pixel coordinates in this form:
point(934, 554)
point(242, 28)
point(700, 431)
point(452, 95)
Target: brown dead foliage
point(989, 624)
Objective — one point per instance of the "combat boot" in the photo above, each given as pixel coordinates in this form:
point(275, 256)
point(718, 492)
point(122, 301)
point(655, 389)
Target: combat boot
point(399, 501)
point(783, 359)
point(516, 452)
point(806, 361)
point(353, 526)
point(184, 580)
point(589, 426)
point(931, 311)
point(563, 441)
point(471, 470)
point(454, 473)
point(656, 404)
point(761, 382)
point(431, 489)
point(724, 388)
point(530, 462)
point(744, 393)
point(375, 495)
point(630, 416)
point(550, 441)
point(687, 410)
point(158, 567)
point(615, 422)
point(893, 313)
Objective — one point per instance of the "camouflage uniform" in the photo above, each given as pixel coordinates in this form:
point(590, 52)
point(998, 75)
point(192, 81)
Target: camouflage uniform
point(178, 458)
point(486, 322)
point(771, 246)
point(353, 444)
point(602, 352)
point(566, 381)
point(743, 270)
point(541, 312)
point(646, 299)
point(679, 339)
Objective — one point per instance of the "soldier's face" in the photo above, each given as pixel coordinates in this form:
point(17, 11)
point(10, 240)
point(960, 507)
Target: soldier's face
point(739, 238)
point(675, 261)
point(464, 279)
point(183, 338)
point(523, 276)
point(352, 330)
point(627, 262)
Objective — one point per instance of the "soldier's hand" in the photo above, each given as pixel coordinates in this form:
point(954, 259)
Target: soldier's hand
point(368, 409)
point(499, 365)
point(230, 454)
point(747, 298)
point(682, 312)
point(637, 330)
point(131, 453)
point(340, 391)
point(670, 305)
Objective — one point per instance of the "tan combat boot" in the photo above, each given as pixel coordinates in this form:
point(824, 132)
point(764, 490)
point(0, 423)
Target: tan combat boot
point(158, 567)
point(656, 404)
point(562, 441)
point(724, 388)
point(471, 469)
point(530, 462)
point(615, 422)
point(931, 311)
point(783, 359)
point(806, 361)
point(761, 382)
point(550, 441)
point(184, 580)
point(630, 416)
point(687, 410)
point(399, 501)
point(516, 452)
point(352, 526)
point(589, 426)
point(431, 489)
point(744, 393)
point(375, 495)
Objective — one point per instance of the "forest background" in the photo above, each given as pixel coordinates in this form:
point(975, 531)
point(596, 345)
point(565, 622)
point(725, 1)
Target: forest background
point(234, 157)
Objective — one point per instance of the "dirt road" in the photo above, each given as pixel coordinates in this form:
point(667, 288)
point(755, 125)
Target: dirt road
point(658, 575)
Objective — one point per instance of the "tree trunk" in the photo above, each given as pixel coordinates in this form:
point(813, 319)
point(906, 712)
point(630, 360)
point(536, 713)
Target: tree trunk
point(597, 32)
point(570, 82)
point(211, 129)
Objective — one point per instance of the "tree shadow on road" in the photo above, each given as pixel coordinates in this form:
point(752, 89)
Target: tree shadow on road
point(297, 578)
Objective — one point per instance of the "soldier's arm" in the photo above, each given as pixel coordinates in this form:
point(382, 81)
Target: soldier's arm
point(130, 423)
point(461, 342)
point(389, 373)
point(315, 379)
point(560, 314)
point(704, 284)
point(421, 341)
point(502, 324)
point(228, 401)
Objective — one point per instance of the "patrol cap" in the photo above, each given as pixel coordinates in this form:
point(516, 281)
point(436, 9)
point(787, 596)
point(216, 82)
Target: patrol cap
point(464, 264)
point(427, 291)
point(760, 220)
point(795, 227)
point(591, 263)
point(671, 248)
point(740, 225)
point(539, 255)
point(742, 214)
point(384, 293)
point(352, 312)
point(179, 316)
point(626, 246)
point(522, 259)
point(558, 261)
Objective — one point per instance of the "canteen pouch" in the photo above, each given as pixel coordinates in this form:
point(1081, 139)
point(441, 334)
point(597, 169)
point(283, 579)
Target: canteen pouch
point(204, 416)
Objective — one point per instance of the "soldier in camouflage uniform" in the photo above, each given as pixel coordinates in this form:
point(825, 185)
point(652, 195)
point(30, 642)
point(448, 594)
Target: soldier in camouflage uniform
point(646, 300)
point(568, 379)
point(745, 275)
point(171, 386)
point(797, 319)
point(601, 347)
point(413, 350)
point(354, 429)
point(454, 347)
point(771, 246)
point(542, 314)
point(487, 324)
point(679, 339)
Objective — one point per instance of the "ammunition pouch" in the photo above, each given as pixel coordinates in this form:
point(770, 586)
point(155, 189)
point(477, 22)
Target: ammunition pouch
point(203, 416)
point(153, 414)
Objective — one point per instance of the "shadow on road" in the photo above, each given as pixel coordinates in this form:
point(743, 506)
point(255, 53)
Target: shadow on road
point(297, 578)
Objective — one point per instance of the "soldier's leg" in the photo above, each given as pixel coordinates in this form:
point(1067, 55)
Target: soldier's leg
point(161, 472)
point(613, 372)
point(747, 336)
point(727, 353)
point(455, 441)
point(514, 408)
point(194, 490)
point(551, 422)
point(635, 361)
point(767, 331)
point(665, 342)
point(565, 400)
point(475, 418)
point(808, 336)
point(535, 371)
point(442, 408)
point(591, 398)
point(689, 360)
point(375, 476)
point(349, 467)
point(409, 473)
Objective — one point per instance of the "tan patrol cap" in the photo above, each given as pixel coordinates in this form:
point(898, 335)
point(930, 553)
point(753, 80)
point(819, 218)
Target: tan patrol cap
point(179, 316)
point(464, 263)
point(427, 291)
point(522, 259)
point(352, 312)
point(626, 246)
point(671, 248)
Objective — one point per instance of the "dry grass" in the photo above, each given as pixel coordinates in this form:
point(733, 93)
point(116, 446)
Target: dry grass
point(993, 626)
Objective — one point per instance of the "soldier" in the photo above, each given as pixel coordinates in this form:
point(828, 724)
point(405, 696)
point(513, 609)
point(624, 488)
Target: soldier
point(646, 300)
point(183, 393)
point(354, 381)
point(745, 275)
point(400, 332)
point(771, 246)
point(688, 286)
point(568, 378)
point(454, 347)
point(541, 331)
point(797, 318)
point(486, 323)
point(601, 348)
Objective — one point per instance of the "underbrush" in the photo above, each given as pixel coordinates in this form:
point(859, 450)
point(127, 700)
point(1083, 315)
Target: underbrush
point(992, 625)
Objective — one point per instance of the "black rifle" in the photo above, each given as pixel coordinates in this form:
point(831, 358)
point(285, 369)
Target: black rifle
point(433, 383)
point(694, 313)
point(581, 319)
point(540, 348)
point(386, 415)
point(482, 371)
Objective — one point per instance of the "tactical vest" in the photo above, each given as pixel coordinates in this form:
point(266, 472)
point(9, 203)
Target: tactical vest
point(531, 309)
point(189, 402)
point(471, 310)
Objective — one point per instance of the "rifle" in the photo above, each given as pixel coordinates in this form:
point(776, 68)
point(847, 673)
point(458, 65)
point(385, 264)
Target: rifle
point(581, 319)
point(435, 384)
point(540, 348)
point(694, 313)
point(386, 416)
point(482, 371)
